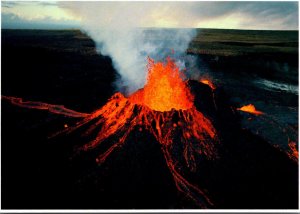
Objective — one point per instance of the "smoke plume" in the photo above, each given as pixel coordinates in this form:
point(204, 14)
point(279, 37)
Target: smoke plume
point(122, 30)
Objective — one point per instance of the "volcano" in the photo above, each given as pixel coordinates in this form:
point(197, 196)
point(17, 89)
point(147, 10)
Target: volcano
point(164, 107)
point(195, 133)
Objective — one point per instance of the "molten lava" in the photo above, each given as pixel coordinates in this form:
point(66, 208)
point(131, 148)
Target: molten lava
point(208, 82)
point(164, 89)
point(250, 109)
point(56, 109)
point(293, 153)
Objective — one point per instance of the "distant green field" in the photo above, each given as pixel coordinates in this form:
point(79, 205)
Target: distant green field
point(217, 42)
point(243, 42)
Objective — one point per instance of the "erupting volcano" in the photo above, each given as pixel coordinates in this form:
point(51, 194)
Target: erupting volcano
point(91, 122)
point(164, 107)
point(167, 109)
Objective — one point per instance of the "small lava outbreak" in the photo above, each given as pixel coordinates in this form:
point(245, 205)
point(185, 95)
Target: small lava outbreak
point(250, 109)
point(293, 153)
point(208, 82)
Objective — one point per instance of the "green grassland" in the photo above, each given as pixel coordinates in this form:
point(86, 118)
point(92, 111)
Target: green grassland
point(220, 42)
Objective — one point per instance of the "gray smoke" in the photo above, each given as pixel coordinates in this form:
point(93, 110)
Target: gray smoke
point(119, 32)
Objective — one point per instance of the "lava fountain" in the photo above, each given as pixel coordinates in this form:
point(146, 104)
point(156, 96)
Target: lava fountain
point(165, 89)
point(164, 107)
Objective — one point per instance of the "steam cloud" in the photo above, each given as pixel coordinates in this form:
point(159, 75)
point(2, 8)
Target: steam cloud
point(119, 31)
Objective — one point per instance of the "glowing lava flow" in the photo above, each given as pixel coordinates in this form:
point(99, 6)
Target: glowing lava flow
point(208, 82)
point(56, 109)
point(164, 108)
point(250, 109)
point(293, 153)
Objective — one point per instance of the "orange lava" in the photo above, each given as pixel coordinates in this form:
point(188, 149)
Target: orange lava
point(250, 109)
point(56, 109)
point(165, 89)
point(293, 153)
point(208, 82)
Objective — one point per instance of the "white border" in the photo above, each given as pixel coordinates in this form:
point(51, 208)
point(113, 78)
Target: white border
point(156, 211)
